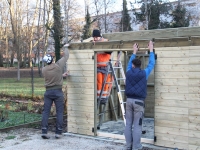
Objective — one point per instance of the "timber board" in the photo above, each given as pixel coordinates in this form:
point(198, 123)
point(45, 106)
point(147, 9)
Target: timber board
point(194, 127)
point(81, 91)
point(171, 75)
point(77, 85)
point(82, 108)
point(172, 103)
point(194, 147)
point(172, 89)
point(171, 144)
point(171, 131)
point(172, 61)
point(194, 119)
point(80, 114)
point(194, 112)
point(80, 121)
point(172, 138)
point(158, 33)
point(172, 117)
point(171, 110)
point(194, 141)
point(172, 96)
point(79, 97)
point(80, 131)
point(194, 82)
point(172, 124)
point(81, 80)
point(194, 134)
point(174, 82)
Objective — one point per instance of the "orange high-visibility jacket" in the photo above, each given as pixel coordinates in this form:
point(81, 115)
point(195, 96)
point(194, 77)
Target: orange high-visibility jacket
point(102, 59)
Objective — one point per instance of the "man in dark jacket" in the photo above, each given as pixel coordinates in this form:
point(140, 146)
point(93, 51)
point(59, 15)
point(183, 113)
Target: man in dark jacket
point(136, 91)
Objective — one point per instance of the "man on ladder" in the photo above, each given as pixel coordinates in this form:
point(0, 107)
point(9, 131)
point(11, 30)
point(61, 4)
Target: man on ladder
point(136, 91)
point(102, 62)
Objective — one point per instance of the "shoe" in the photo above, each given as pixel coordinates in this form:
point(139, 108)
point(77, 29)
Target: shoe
point(45, 136)
point(58, 136)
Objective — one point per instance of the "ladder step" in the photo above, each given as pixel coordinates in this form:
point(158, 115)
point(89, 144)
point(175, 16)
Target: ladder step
point(122, 90)
point(116, 67)
point(121, 79)
point(109, 82)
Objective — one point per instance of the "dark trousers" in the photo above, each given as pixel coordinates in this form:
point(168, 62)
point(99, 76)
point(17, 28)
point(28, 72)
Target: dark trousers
point(57, 97)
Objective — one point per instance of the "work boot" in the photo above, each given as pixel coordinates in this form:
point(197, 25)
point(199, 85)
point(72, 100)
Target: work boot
point(45, 136)
point(58, 136)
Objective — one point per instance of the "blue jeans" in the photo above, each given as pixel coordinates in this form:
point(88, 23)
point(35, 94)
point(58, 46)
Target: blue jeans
point(134, 116)
point(50, 96)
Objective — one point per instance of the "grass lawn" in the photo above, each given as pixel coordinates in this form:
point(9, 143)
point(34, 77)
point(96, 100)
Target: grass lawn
point(12, 115)
point(22, 88)
point(19, 118)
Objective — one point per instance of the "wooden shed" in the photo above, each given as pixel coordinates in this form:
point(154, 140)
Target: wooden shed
point(173, 88)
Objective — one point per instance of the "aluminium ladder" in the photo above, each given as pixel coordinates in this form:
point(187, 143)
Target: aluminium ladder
point(111, 70)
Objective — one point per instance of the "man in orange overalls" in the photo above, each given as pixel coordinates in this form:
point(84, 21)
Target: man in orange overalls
point(102, 61)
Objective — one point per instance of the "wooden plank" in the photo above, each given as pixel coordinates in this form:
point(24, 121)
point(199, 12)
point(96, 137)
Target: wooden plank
point(80, 121)
point(172, 138)
point(194, 134)
point(81, 91)
point(80, 80)
point(122, 137)
point(168, 53)
point(78, 85)
point(194, 147)
point(89, 103)
point(171, 124)
point(194, 141)
point(194, 119)
point(171, 110)
point(194, 112)
point(149, 34)
point(194, 68)
point(194, 82)
point(194, 52)
point(80, 131)
point(171, 75)
point(172, 82)
point(173, 117)
point(194, 96)
point(195, 60)
point(81, 67)
point(171, 89)
point(172, 96)
point(79, 97)
point(171, 103)
point(171, 144)
point(74, 61)
point(194, 127)
point(171, 131)
point(81, 126)
point(172, 68)
point(172, 61)
point(194, 75)
point(194, 90)
point(81, 73)
point(194, 104)
point(80, 108)
point(80, 114)
point(85, 51)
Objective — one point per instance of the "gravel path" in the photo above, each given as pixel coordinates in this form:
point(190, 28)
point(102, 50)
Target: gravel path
point(30, 139)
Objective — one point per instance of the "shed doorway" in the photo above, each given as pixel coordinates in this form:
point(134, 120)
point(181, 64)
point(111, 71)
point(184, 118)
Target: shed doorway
point(112, 124)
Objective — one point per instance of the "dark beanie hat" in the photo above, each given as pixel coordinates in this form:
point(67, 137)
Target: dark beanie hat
point(96, 33)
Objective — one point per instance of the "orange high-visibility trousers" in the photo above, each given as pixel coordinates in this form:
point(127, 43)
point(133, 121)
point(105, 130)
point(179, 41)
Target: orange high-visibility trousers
point(100, 80)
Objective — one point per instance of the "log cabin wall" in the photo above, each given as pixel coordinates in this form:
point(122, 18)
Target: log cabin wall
point(177, 84)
